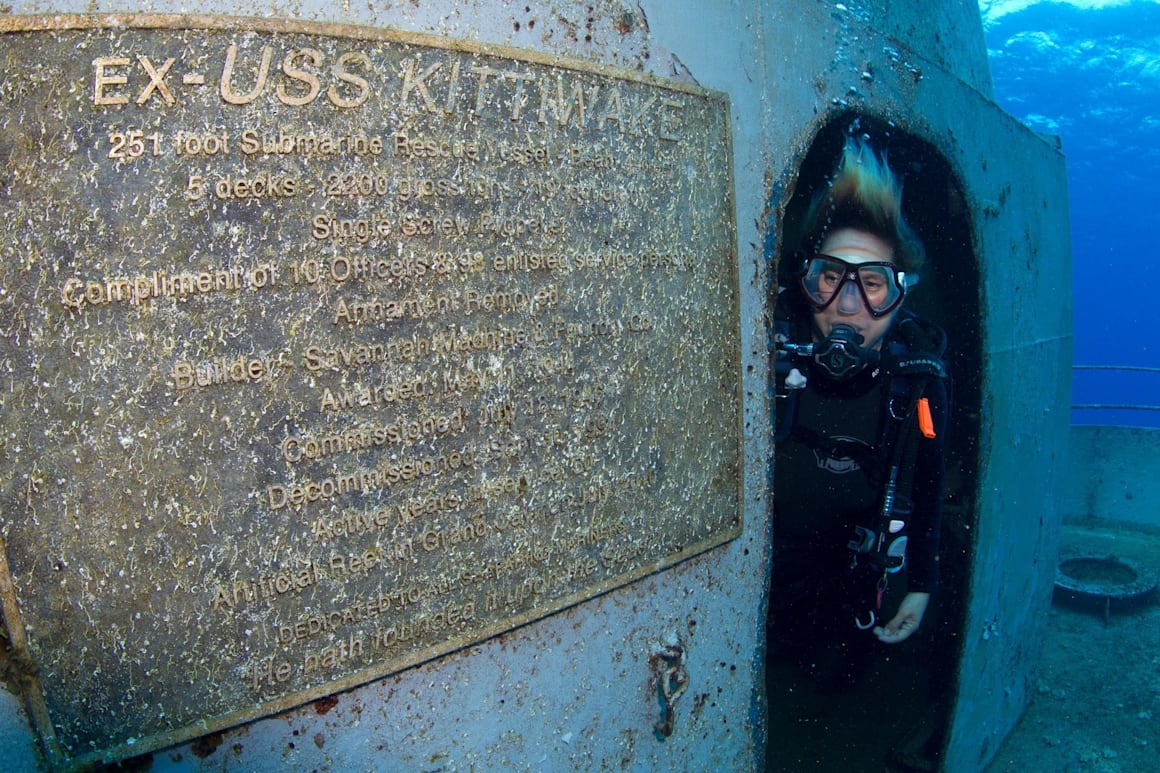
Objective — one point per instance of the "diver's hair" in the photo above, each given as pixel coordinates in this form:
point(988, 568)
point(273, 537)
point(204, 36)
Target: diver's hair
point(865, 195)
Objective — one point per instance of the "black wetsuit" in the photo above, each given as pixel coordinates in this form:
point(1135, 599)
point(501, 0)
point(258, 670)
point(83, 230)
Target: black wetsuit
point(822, 490)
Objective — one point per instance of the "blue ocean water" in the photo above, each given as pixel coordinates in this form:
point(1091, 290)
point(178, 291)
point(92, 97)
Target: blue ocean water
point(1088, 71)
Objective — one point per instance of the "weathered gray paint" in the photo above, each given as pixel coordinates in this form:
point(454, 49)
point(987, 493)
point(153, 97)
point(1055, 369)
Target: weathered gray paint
point(576, 690)
point(1026, 260)
point(1112, 476)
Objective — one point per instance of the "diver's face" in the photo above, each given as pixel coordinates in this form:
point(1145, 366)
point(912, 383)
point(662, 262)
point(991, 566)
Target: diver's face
point(854, 246)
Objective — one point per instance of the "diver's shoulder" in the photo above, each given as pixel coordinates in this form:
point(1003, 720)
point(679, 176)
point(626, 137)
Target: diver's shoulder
point(917, 333)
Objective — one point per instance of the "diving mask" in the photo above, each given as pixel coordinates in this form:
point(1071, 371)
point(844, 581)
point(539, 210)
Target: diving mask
point(879, 286)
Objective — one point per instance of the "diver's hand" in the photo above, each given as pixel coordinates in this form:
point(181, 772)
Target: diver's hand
point(906, 622)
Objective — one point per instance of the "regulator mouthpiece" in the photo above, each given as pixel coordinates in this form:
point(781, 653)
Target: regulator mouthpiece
point(841, 355)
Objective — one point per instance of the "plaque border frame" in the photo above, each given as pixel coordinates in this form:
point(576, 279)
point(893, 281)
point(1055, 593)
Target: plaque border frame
point(34, 696)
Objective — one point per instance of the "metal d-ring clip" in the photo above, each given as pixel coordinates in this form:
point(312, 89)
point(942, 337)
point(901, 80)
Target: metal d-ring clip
point(866, 626)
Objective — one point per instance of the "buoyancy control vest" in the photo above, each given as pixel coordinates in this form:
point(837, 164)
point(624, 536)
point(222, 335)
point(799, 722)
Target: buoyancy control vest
point(911, 358)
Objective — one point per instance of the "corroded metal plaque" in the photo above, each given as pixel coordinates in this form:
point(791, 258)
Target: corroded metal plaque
point(328, 351)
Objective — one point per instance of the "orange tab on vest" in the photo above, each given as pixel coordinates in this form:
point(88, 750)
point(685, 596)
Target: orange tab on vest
point(925, 422)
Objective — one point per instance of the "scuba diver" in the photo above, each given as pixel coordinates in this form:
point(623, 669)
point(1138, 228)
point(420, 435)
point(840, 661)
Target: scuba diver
point(861, 401)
